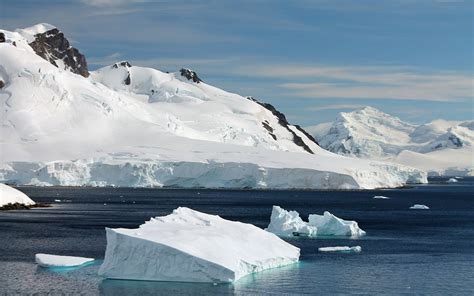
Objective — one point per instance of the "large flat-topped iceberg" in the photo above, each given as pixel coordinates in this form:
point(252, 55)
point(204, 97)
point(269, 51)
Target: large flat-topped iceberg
point(191, 246)
point(289, 223)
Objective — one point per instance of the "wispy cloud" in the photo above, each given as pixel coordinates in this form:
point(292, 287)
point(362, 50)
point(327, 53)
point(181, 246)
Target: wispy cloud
point(368, 82)
point(335, 107)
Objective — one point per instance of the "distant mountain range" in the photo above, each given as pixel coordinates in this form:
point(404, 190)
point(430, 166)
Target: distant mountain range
point(124, 125)
point(440, 147)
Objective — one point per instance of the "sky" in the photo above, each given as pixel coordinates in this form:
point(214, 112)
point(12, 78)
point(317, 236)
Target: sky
point(311, 59)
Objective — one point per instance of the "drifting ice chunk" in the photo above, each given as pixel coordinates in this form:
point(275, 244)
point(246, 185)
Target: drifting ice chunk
point(284, 223)
point(47, 260)
point(452, 180)
point(381, 197)
point(190, 246)
point(289, 223)
point(345, 249)
point(328, 225)
point(419, 207)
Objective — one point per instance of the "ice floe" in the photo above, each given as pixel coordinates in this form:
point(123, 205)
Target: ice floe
point(48, 260)
point(289, 223)
point(452, 180)
point(419, 207)
point(191, 246)
point(381, 197)
point(344, 249)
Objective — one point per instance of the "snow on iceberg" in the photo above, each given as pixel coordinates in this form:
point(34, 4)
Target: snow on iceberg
point(47, 260)
point(190, 246)
point(344, 249)
point(419, 207)
point(10, 195)
point(328, 225)
point(289, 223)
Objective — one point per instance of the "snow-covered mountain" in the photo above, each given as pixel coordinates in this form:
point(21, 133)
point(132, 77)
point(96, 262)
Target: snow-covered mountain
point(440, 147)
point(133, 126)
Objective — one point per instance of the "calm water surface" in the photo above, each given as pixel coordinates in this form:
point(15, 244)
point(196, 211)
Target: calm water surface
point(405, 251)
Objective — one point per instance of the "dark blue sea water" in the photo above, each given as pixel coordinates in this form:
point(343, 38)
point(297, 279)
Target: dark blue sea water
point(405, 252)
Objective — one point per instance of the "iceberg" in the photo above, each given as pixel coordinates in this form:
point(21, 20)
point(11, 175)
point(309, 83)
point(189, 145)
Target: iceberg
point(190, 246)
point(345, 249)
point(10, 195)
point(288, 223)
point(419, 207)
point(329, 225)
point(452, 180)
point(48, 260)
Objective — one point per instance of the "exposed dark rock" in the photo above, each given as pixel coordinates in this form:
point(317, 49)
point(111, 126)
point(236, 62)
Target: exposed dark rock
point(2, 84)
point(283, 122)
point(19, 206)
point(2, 37)
point(306, 134)
point(190, 75)
point(127, 80)
point(456, 141)
point(126, 65)
point(270, 129)
point(122, 64)
point(52, 46)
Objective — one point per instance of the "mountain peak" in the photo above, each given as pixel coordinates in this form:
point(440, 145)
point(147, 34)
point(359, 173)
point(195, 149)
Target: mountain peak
point(190, 75)
point(40, 28)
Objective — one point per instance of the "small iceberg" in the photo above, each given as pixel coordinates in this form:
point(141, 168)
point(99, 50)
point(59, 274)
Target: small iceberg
point(289, 223)
point(380, 197)
point(419, 207)
point(190, 246)
point(345, 249)
point(452, 180)
point(47, 260)
point(11, 198)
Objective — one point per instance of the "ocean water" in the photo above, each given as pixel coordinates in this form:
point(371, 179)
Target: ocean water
point(405, 251)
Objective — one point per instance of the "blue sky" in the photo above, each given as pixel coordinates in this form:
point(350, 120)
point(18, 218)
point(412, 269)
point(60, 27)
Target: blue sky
point(311, 59)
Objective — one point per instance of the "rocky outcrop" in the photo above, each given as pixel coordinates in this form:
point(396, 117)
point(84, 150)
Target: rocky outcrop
point(2, 37)
point(55, 48)
point(126, 65)
point(190, 75)
point(283, 122)
point(2, 84)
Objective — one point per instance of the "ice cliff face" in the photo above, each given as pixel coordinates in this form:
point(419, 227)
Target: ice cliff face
point(439, 146)
point(126, 125)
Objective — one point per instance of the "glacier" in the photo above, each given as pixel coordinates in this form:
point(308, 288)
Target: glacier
point(125, 125)
point(48, 260)
point(190, 246)
point(10, 195)
point(439, 147)
point(289, 223)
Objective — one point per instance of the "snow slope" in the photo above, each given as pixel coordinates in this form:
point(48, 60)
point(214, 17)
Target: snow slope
point(190, 246)
point(439, 147)
point(125, 125)
point(9, 195)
